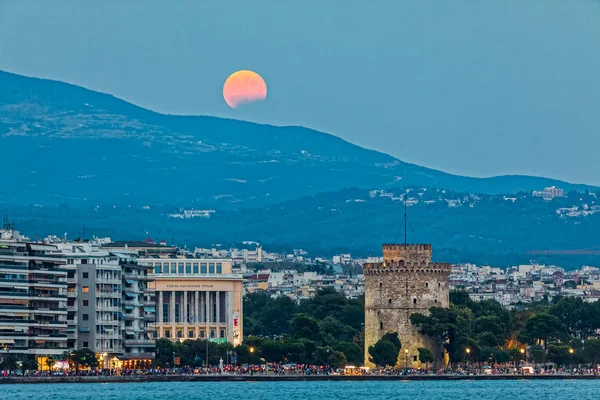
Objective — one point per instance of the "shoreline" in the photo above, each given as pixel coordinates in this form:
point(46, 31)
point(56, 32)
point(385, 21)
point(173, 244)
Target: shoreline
point(279, 378)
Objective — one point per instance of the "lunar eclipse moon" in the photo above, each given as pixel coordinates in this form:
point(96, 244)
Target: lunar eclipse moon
point(244, 87)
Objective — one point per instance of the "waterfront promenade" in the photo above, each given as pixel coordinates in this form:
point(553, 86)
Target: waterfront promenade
point(281, 378)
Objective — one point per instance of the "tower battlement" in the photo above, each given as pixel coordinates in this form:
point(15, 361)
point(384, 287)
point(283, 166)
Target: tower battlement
point(406, 252)
point(413, 267)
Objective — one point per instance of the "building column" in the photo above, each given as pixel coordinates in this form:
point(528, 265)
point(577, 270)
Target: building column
point(229, 316)
point(172, 314)
point(185, 313)
point(207, 316)
point(196, 313)
point(218, 319)
point(159, 313)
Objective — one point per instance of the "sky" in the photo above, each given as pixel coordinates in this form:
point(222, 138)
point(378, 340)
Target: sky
point(476, 88)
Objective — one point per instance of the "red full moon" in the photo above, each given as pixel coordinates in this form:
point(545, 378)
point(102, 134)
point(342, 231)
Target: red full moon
point(244, 87)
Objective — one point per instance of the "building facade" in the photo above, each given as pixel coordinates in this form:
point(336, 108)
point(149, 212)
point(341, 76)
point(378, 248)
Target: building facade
point(33, 298)
point(197, 298)
point(139, 312)
point(94, 294)
point(406, 282)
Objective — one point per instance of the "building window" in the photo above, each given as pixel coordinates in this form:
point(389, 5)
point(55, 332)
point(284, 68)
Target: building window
point(202, 334)
point(219, 268)
point(439, 284)
point(222, 333)
point(211, 268)
point(188, 268)
point(85, 289)
point(165, 312)
point(414, 358)
point(191, 333)
point(435, 301)
point(86, 317)
point(414, 301)
point(158, 269)
point(85, 344)
point(167, 333)
point(203, 268)
point(173, 268)
point(380, 284)
point(85, 303)
point(180, 268)
point(381, 325)
point(426, 284)
point(86, 275)
point(195, 268)
point(389, 301)
point(179, 333)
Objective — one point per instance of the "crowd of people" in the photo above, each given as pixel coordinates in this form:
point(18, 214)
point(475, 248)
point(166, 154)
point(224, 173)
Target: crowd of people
point(274, 369)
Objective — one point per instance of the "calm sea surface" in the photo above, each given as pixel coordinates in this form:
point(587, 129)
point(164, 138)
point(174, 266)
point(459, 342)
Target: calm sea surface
point(439, 390)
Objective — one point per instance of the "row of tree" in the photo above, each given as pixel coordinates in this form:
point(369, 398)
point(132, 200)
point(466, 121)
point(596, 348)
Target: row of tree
point(562, 331)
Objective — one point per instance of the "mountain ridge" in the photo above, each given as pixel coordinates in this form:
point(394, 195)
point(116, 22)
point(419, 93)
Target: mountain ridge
point(76, 135)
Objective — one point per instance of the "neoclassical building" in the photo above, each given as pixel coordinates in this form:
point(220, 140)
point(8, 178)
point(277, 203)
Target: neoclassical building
point(197, 298)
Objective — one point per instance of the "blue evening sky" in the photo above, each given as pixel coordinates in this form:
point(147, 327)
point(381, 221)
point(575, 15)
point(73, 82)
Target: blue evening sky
point(472, 87)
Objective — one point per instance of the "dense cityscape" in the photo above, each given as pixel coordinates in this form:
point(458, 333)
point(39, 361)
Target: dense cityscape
point(98, 305)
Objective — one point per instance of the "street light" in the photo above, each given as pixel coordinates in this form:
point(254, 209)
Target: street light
point(406, 366)
point(468, 350)
point(251, 353)
point(571, 351)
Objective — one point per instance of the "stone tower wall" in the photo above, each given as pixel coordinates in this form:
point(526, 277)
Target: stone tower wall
point(396, 289)
point(409, 252)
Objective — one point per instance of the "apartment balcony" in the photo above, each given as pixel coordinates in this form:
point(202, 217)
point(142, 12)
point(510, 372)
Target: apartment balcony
point(71, 281)
point(140, 343)
point(102, 307)
point(72, 308)
point(138, 277)
point(108, 281)
point(131, 302)
point(108, 322)
point(150, 317)
point(149, 303)
point(112, 336)
point(109, 294)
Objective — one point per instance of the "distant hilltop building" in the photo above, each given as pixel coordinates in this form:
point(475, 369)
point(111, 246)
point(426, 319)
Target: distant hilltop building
point(404, 283)
point(549, 193)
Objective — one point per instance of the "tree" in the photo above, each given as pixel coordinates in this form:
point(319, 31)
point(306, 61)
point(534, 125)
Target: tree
point(543, 327)
point(559, 354)
point(9, 363)
point(83, 358)
point(537, 354)
point(30, 364)
point(337, 359)
point(336, 330)
point(384, 353)
point(591, 351)
point(425, 355)
point(294, 352)
point(352, 351)
point(272, 351)
point(50, 361)
point(306, 327)
point(392, 337)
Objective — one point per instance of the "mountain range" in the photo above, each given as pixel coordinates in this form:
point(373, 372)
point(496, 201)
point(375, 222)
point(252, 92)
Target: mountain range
point(67, 146)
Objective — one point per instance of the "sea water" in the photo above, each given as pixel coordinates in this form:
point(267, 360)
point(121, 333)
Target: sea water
point(322, 390)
